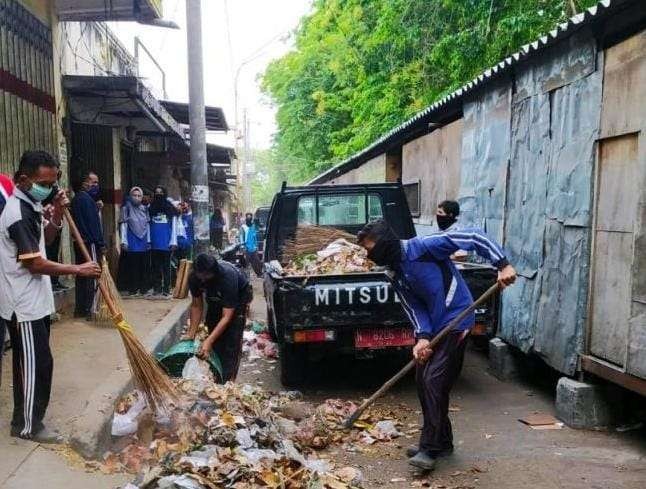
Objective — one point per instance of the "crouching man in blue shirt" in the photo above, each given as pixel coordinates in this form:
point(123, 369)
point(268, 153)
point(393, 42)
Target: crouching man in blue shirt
point(433, 292)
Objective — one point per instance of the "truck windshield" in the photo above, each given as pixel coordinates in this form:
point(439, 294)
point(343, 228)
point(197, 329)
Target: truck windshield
point(339, 210)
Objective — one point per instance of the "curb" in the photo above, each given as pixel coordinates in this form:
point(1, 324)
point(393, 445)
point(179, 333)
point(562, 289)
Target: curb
point(91, 430)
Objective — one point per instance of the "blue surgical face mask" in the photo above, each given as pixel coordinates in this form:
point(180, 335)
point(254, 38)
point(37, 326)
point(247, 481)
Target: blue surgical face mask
point(39, 192)
point(94, 191)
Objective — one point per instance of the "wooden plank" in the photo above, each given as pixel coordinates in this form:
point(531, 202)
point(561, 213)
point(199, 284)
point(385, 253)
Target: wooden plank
point(613, 374)
point(611, 288)
point(624, 86)
point(618, 181)
point(636, 364)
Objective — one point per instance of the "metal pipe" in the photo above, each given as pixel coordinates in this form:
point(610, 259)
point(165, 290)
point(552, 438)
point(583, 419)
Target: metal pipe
point(152, 58)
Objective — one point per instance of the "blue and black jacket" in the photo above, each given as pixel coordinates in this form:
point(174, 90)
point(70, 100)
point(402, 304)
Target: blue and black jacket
point(431, 289)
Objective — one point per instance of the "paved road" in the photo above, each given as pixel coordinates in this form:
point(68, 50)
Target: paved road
point(493, 449)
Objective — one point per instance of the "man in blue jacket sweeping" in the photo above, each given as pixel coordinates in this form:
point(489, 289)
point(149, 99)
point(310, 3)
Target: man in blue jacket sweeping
point(433, 292)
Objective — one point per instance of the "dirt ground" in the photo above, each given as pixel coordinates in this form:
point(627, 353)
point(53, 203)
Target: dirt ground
point(493, 449)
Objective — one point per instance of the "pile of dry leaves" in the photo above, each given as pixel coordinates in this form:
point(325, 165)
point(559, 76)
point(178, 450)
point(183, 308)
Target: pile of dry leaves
point(242, 437)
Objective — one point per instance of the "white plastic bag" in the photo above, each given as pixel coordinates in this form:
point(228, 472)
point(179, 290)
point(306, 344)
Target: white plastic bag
point(199, 372)
point(126, 423)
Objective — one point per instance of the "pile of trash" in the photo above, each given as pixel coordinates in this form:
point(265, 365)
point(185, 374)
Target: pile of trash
point(338, 257)
point(257, 343)
point(237, 436)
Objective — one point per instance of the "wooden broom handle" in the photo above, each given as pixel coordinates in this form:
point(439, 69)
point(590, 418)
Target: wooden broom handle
point(114, 312)
point(409, 366)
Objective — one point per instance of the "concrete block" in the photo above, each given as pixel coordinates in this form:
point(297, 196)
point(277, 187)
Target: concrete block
point(584, 405)
point(503, 364)
point(91, 433)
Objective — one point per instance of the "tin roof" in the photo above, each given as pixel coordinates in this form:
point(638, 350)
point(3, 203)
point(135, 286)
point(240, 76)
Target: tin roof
point(561, 32)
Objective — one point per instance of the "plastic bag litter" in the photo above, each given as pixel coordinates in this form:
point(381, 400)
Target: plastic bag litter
point(199, 372)
point(200, 458)
point(178, 482)
point(243, 437)
point(126, 423)
point(337, 246)
point(385, 430)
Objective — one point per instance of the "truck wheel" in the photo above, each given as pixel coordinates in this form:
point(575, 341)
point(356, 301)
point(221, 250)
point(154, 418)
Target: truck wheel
point(292, 366)
point(271, 326)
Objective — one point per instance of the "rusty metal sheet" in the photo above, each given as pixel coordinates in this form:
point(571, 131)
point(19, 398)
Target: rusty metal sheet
point(569, 61)
point(485, 156)
point(548, 218)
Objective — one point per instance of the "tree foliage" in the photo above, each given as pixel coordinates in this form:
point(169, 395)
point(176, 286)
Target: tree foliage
point(360, 67)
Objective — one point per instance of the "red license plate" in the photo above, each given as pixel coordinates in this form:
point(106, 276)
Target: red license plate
point(383, 337)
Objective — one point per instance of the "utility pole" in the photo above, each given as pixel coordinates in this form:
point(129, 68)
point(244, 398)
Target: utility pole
point(199, 165)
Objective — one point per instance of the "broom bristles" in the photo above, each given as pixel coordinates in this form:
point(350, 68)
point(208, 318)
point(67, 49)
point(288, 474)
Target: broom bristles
point(310, 239)
point(148, 375)
point(102, 312)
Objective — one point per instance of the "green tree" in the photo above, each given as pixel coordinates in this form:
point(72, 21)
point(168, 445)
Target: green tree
point(361, 67)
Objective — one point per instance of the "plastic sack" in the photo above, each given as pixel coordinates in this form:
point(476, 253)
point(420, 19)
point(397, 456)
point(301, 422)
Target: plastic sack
point(199, 372)
point(127, 423)
point(336, 246)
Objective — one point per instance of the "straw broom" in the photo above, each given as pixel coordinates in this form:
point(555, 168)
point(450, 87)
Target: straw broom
point(149, 377)
point(310, 239)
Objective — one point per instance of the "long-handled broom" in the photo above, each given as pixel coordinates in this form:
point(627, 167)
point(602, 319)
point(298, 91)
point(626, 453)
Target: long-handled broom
point(409, 366)
point(148, 375)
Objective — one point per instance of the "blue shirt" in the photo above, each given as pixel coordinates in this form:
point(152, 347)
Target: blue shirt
point(185, 242)
point(250, 237)
point(162, 232)
point(432, 291)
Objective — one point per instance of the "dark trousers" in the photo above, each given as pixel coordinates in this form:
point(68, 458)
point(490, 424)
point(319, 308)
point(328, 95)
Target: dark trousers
point(228, 346)
point(85, 287)
point(254, 260)
point(216, 238)
point(32, 374)
point(160, 271)
point(136, 271)
point(52, 251)
point(434, 382)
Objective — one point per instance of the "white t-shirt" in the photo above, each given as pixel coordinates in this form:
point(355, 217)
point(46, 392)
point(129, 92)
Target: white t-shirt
point(28, 296)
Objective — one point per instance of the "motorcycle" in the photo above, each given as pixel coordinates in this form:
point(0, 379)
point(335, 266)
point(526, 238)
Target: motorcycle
point(234, 254)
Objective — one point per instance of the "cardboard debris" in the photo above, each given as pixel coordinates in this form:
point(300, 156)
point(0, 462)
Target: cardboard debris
point(540, 421)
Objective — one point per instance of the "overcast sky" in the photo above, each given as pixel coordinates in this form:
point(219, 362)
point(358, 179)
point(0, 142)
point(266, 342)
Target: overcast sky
point(259, 32)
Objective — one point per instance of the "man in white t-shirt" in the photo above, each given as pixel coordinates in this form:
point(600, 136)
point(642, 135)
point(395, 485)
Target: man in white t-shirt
point(26, 297)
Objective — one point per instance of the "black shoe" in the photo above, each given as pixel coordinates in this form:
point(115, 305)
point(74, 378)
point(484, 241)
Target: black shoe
point(422, 461)
point(413, 449)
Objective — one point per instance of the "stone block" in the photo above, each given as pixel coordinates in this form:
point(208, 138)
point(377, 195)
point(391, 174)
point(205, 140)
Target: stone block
point(503, 363)
point(584, 405)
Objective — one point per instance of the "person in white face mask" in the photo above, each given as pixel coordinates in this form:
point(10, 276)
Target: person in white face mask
point(26, 297)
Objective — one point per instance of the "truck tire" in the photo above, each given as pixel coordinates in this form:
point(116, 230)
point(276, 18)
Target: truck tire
point(292, 365)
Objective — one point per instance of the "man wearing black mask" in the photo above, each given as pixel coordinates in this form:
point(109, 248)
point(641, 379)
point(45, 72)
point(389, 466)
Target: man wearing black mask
point(447, 214)
point(433, 293)
point(228, 294)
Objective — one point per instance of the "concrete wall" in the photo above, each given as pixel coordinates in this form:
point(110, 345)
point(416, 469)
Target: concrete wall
point(434, 161)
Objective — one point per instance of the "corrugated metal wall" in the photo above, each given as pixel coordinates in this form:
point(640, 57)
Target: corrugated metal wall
point(27, 105)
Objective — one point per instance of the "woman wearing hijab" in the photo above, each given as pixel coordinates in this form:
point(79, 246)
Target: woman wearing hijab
point(163, 240)
point(135, 242)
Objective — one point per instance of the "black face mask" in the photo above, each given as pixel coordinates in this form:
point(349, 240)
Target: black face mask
point(158, 198)
point(386, 252)
point(248, 221)
point(444, 222)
